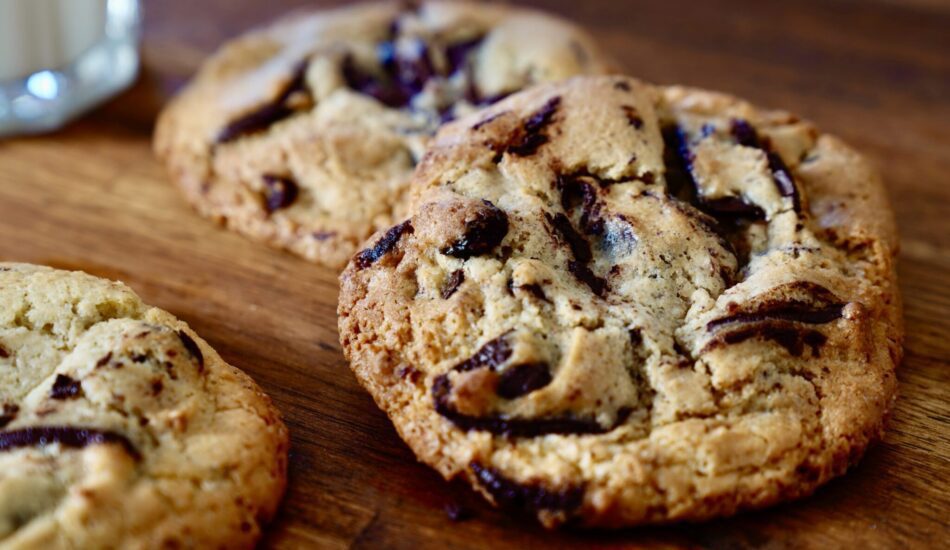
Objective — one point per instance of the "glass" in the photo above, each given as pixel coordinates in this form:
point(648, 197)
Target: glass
point(60, 58)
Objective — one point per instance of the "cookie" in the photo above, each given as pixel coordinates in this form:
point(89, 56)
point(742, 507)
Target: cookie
point(616, 304)
point(121, 428)
point(304, 134)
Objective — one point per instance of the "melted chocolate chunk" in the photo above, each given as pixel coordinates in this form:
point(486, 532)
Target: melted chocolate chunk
point(413, 67)
point(279, 192)
point(383, 246)
point(452, 283)
point(65, 387)
point(492, 354)
point(580, 249)
point(536, 290)
point(597, 285)
point(579, 246)
point(682, 183)
point(482, 234)
point(576, 190)
point(792, 338)
point(4, 353)
point(529, 497)
point(458, 54)
point(795, 312)
point(522, 379)
point(532, 133)
point(10, 411)
point(633, 117)
point(746, 135)
point(386, 91)
point(733, 207)
point(104, 360)
point(516, 427)
point(66, 436)
point(192, 347)
point(267, 114)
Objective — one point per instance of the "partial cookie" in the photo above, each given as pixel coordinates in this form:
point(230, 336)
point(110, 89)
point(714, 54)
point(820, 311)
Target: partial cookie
point(121, 428)
point(617, 304)
point(304, 134)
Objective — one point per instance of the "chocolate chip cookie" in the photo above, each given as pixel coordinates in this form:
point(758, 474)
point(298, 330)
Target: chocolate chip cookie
point(615, 303)
point(121, 428)
point(304, 134)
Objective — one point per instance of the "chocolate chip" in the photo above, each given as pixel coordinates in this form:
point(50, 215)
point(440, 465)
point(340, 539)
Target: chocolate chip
point(483, 233)
point(459, 53)
point(622, 85)
point(279, 192)
point(66, 436)
point(746, 135)
point(536, 290)
point(597, 285)
point(452, 283)
point(413, 67)
point(517, 427)
point(65, 387)
point(386, 92)
point(192, 348)
point(383, 246)
point(529, 497)
point(633, 117)
point(4, 353)
point(408, 372)
point(792, 338)
point(104, 360)
point(579, 246)
point(636, 337)
point(492, 354)
point(532, 136)
point(576, 190)
point(522, 379)
point(796, 312)
point(735, 207)
point(267, 114)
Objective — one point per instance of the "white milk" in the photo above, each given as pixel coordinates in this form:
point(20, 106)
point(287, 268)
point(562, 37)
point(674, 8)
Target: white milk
point(47, 34)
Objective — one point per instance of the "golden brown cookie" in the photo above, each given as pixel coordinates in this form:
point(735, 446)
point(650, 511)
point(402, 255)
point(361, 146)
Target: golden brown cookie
point(615, 303)
point(121, 428)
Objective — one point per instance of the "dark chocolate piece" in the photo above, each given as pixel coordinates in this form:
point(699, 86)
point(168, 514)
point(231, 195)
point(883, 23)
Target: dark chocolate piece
point(458, 54)
point(383, 246)
point(597, 285)
point(192, 347)
point(452, 283)
point(795, 312)
point(65, 387)
point(482, 234)
point(746, 135)
point(492, 354)
point(792, 338)
point(536, 290)
point(279, 192)
point(67, 436)
point(522, 379)
point(633, 117)
point(733, 207)
point(4, 353)
point(529, 497)
point(267, 114)
point(533, 136)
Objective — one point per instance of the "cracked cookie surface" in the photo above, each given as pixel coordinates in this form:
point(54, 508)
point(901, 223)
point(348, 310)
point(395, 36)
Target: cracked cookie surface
point(615, 303)
point(304, 134)
point(121, 427)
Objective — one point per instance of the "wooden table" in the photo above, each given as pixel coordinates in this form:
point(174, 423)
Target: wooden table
point(91, 197)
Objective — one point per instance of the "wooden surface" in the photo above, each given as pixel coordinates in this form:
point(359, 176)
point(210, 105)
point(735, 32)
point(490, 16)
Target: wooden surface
point(91, 197)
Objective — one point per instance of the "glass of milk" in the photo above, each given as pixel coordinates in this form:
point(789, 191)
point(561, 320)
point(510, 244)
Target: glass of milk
point(60, 58)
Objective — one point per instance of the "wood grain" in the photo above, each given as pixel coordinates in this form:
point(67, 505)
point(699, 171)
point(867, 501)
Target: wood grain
point(92, 197)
